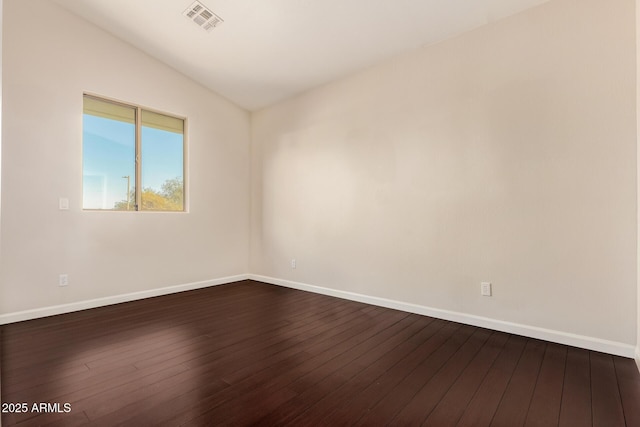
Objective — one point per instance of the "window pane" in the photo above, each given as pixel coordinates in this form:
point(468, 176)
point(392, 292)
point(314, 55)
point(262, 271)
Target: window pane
point(162, 149)
point(108, 155)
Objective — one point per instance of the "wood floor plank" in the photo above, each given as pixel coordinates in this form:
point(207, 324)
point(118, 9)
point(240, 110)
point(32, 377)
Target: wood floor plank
point(427, 398)
point(249, 353)
point(118, 339)
point(227, 363)
point(388, 374)
point(393, 400)
point(629, 384)
point(306, 341)
point(346, 403)
point(254, 352)
point(544, 409)
point(516, 399)
point(120, 318)
point(344, 352)
point(576, 394)
point(606, 403)
point(485, 401)
point(317, 354)
point(155, 410)
point(348, 366)
point(135, 347)
point(112, 343)
point(454, 403)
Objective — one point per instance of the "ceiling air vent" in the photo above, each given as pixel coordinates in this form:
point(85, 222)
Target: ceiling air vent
point(202, 16)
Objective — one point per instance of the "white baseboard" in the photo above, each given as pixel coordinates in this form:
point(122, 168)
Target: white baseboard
point(638, 357)
point(116, 299)
point(589, 343)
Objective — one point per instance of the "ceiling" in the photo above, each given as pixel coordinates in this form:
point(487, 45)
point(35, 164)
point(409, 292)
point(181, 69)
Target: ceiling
point(269, 50)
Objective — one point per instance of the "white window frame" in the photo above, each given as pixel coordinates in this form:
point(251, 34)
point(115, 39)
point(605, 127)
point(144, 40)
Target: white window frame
point(138, 150)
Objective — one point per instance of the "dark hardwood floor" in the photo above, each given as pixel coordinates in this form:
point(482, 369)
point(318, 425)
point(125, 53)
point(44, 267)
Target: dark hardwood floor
point(248, 353)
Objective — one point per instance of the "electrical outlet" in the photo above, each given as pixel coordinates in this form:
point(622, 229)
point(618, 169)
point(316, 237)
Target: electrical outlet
point(485, 289)
point(293, 263)
point(63, 280)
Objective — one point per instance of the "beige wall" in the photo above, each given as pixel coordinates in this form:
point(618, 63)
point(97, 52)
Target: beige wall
point(50, 57)
point(505, 155)
point(1, 340)
point(638, 172)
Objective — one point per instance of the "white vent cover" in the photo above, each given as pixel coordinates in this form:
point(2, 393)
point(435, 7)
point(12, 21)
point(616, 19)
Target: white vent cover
point(203, 16)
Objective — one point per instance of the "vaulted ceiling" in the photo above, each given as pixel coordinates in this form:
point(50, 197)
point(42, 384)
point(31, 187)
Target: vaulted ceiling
point(268, 50)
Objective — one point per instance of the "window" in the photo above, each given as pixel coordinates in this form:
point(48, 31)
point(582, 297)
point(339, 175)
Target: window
point(126, 148)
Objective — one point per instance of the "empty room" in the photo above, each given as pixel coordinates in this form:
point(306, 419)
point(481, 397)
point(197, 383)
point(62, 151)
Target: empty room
point(304, 212)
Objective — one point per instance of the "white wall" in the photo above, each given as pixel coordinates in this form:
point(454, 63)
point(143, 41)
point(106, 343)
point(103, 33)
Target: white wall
point(505, 155)
point(638, 172)
point(50, 57)
point(1, 24)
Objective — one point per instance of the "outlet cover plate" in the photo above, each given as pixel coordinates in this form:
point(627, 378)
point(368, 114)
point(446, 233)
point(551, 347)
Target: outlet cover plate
point(485, 289)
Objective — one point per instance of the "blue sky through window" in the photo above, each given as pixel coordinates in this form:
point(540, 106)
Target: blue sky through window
point(109, 155)
point(162, 157)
